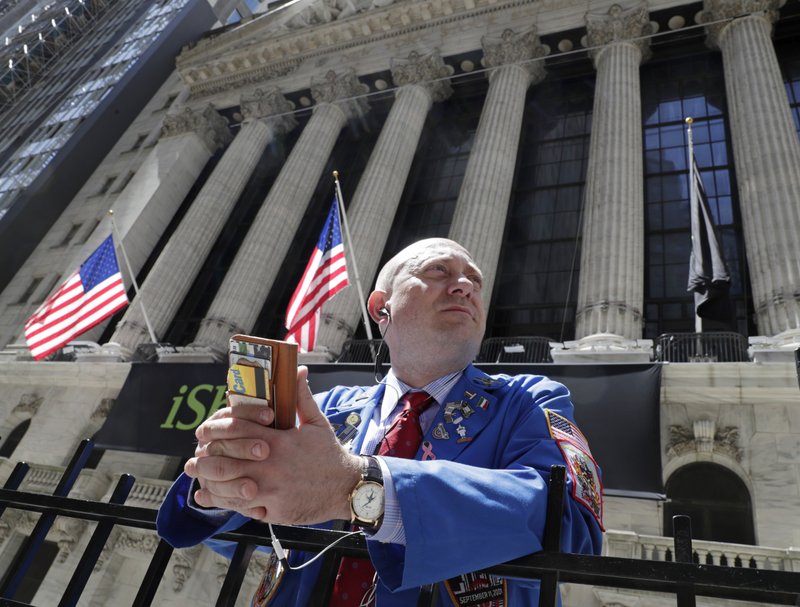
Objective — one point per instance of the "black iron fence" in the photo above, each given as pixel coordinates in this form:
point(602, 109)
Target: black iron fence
point(515, 350)
point(721, 346)
point(528, 349)
point(683, 578)
point(363, 351)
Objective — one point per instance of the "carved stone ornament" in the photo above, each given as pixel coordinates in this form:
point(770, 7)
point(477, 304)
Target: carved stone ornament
point(67, 532)
point(8, 524)
point(185, 561)
point(429, 69)
point(319, 12)
point(618, 25)
point(108, 549)
point(136, 544)
point(209, 80)
point(26, 522)
point(257, 566)
point(100, 414)
point(344, 88)
point(266, 103)
point(524, 49)
point(221, 566)
point(28, 405)
point(207, 123)
point(704, 437)
point(731, 10)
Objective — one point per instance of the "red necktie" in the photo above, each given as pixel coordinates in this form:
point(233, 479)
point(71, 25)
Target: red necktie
point(402, 440)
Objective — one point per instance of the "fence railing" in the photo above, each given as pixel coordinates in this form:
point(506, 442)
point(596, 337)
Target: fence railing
point(363, 351)
point(515, 350)
point(721, 346)
point(531, 349)
point(629, 544)
point(683, 577)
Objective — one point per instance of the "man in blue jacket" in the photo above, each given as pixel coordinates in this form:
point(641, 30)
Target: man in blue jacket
point(460, 479)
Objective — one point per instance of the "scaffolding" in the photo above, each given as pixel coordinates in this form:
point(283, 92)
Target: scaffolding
point(40, 39)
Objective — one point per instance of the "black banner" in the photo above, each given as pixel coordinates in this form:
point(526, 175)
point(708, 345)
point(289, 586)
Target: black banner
point(616, 407)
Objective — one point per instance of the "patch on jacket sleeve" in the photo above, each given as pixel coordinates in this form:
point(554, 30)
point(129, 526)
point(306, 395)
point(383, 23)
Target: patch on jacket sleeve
point(587, 489)
point(477, 589)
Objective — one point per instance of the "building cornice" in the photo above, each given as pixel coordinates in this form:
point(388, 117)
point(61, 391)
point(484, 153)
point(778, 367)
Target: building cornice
point(263, 49)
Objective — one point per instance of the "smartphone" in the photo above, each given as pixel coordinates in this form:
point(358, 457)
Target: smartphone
point(266, 369)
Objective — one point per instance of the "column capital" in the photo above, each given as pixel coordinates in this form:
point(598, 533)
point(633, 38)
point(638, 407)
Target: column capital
point(619, 25)
point(516, 48)
point(268, 104)
point(342, 88)
point(206, 123)
point(734, 10)
point(428, 70)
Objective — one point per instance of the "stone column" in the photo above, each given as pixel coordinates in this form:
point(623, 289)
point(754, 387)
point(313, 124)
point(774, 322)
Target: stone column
point(421, 81)
point(767, 156)
point(144, 208)
point(480, 215)
point(182, 258)
point(148, 202)
point(260, 257)
point(611, 287)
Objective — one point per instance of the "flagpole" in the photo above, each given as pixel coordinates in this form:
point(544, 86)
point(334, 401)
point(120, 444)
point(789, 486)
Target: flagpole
point(132, 275)
point(693, 206)
point(352, 249)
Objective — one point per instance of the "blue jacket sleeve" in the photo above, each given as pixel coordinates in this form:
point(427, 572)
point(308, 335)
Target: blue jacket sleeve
point(182, 526)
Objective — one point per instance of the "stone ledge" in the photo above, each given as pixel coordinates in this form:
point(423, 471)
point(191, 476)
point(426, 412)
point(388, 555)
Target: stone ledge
point(603, 348)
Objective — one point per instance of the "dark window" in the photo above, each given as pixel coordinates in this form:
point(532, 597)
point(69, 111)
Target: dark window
point(73, 229)
point(90, 231)
point(537, 282)
point(673, 90)
point(45, 292)
point(124, 182)
point(36, 572)
point(14, 438)
point(140, 139)
point(717, 501)
point(107, 185)
point(29, 291)
point(788, 52)
point(168, 101)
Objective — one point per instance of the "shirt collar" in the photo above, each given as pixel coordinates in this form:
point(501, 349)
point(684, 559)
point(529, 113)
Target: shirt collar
point(439, 389)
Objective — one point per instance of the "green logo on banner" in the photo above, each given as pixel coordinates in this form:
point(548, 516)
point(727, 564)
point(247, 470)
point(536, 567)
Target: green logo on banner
point(201, 402)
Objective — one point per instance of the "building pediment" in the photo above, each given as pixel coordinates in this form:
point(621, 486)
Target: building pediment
point(276, 43)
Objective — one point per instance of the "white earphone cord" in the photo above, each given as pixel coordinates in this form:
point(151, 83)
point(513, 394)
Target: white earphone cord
point(281, 554)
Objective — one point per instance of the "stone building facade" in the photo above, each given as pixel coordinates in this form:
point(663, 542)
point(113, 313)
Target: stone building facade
point(547, 137)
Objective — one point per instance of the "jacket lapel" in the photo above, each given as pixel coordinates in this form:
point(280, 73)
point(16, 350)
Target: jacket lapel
point(467, 409)
point(360, 410)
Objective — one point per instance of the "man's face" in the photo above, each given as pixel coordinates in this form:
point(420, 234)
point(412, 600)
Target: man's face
point(436, 296)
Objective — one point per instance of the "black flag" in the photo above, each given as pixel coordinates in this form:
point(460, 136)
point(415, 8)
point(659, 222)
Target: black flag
point(708, 275)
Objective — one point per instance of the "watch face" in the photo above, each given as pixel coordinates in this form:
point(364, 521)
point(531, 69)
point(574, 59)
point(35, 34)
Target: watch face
point(368, 501)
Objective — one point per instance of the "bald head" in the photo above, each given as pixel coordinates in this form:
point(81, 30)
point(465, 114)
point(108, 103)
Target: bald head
point(411, 255)
point(428, 304)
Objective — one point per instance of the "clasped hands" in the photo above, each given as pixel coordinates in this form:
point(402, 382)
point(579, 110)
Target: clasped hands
point(296, 476)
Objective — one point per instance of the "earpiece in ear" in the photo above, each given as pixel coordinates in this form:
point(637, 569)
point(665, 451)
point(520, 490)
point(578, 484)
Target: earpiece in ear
point(384, 312)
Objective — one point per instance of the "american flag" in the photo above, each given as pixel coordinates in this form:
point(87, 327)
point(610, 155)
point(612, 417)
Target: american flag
point(90, 295)
point(324, 276)
point(563, 429)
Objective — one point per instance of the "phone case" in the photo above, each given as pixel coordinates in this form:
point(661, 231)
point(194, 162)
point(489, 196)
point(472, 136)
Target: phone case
point(265, 368)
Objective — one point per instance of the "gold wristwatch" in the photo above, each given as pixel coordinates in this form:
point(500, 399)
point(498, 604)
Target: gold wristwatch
point(366, 498)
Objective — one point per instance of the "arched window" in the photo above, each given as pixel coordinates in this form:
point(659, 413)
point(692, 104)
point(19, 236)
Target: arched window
point(10, 444)
point(717, 501)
